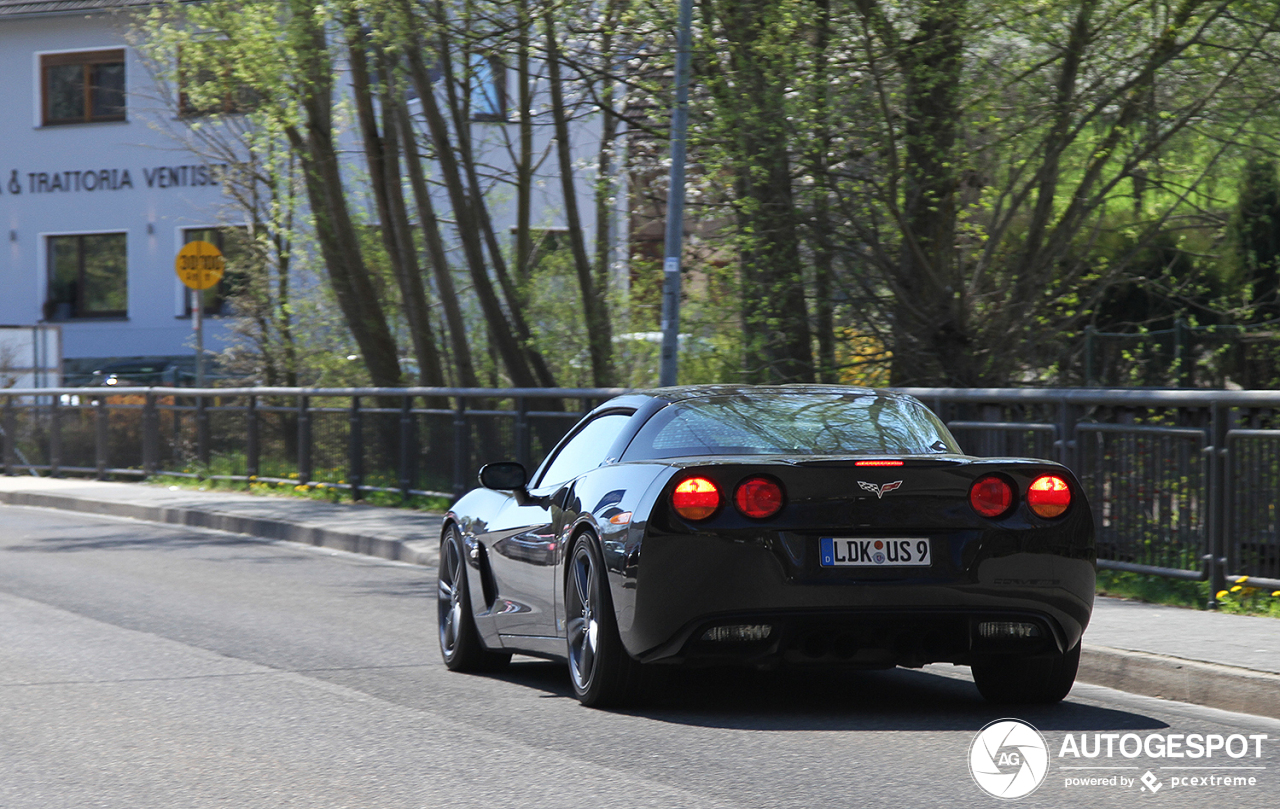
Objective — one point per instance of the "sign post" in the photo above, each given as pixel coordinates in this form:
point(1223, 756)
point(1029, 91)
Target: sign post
point(200, 266)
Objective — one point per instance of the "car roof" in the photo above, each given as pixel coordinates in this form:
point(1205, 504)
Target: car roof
point(684, 393)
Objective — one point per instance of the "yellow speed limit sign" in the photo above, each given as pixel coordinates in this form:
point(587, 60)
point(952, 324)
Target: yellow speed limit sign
point(199, 265)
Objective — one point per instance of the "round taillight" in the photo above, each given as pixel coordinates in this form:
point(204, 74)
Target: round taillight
point(991, 496)
point(758, 497)
point(695, 498)
point(1049, 496)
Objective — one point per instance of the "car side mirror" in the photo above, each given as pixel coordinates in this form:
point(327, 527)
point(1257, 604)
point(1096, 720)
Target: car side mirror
point(504, 476)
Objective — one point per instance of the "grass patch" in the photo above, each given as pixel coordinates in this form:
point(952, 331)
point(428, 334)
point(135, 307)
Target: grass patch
point(1241, 599)
point(1153, 589)
point(1238, 599)
point(328, 492)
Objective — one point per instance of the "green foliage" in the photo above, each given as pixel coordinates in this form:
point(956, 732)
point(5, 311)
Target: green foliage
point(1154, 589)
point(1238, 599)
point(932, 185)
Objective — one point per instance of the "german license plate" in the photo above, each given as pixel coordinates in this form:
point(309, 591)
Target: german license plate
point(874, 552)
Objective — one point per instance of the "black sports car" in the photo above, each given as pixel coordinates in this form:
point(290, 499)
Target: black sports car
point(796, 525)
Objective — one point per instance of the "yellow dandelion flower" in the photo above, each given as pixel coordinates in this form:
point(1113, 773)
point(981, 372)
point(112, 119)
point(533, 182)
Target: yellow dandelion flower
point(1221, 594)
point(299, 488)
point(1236, 589)
point(1242, 580)
point(1276, 593)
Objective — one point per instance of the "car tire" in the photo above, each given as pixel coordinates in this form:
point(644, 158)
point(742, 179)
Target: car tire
point(460, 643)
point(602, 673)
point(1035, 680)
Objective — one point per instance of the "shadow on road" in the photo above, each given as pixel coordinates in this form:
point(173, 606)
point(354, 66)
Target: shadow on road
point(143, 536)
point(897, 699)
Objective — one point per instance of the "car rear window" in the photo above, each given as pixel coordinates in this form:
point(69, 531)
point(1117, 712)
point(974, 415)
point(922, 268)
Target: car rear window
point(792, 424)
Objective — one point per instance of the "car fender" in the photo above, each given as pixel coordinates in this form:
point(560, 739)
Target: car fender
point(464, 514)
point(610, 502)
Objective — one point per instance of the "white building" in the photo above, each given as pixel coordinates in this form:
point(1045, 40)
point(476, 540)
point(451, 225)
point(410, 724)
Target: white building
point(96, 200)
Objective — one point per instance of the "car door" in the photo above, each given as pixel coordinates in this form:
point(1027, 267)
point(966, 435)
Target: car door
point(525, 558)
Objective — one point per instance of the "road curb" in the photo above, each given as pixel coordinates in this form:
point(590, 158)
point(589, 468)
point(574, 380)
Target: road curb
point(1210, 684)
point(419, 553)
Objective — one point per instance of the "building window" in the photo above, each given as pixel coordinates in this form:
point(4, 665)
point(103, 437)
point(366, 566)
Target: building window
point(235, 245)
point(88, 276)
point(82, 87)
point(488, 88)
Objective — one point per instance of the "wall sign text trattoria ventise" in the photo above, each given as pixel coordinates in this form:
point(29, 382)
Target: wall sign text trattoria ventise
point(117, 179)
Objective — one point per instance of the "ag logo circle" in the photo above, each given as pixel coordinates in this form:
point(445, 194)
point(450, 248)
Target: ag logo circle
point(1008, 759)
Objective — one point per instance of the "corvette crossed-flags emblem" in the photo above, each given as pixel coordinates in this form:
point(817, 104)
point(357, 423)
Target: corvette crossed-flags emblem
point(879, 490)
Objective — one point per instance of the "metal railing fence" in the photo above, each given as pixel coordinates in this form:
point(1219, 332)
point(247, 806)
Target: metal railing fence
point(1183, 483)
point(408, 441)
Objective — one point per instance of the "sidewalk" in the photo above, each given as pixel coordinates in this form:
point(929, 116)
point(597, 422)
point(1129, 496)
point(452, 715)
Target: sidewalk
point(402, 535)
point(1230, 662)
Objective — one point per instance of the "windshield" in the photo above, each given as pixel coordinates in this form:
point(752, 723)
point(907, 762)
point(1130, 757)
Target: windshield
point(863, 423)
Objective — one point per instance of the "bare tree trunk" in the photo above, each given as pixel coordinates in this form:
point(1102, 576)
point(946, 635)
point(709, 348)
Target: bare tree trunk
point(931, 312)
point(776, 332)
point(460, 110)
point(606, 186)
point(595, 304)
point(436, 254)
point(505, 342)
point(335, 231)
point(524, 164)
point(382, 156)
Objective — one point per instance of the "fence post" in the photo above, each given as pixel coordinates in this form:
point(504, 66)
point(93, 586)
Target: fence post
point(150, 436)
point(10, 436)
point(304, 440)
point(1068, 415)
point(1180, 354)
point(100, 416)
point(202, 433)
point(355, 448)
point(55, 435)
point(524, 444)
point(406, 447)
point(251, 439)
point(1215, 557)
point(1089, 338)
point(461, 453)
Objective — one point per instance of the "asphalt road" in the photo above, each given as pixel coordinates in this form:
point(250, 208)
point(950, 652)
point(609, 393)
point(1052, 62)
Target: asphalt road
point(151, 666)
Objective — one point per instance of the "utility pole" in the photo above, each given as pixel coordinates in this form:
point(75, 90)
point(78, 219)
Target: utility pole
point(673, 242)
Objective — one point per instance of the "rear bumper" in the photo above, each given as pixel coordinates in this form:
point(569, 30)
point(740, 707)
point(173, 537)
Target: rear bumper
point(684, 585)
point(860, 638)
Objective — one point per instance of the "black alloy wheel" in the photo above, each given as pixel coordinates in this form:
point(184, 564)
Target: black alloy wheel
point(602, 672)
point(1034, 680)
point(460, 643)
